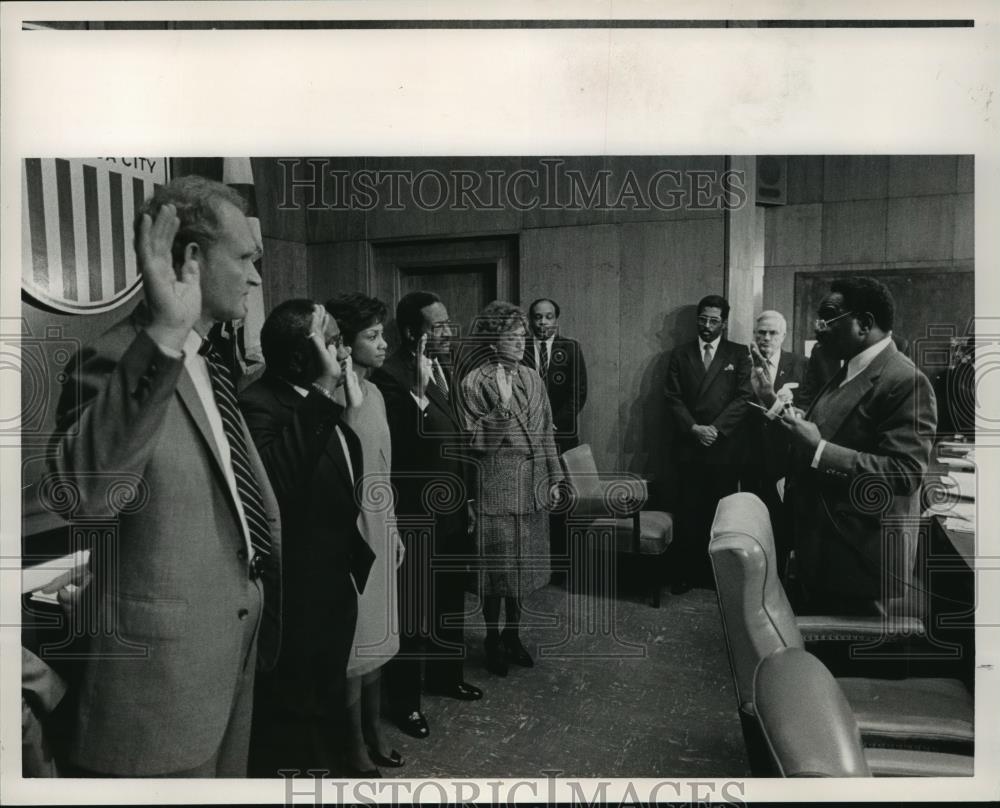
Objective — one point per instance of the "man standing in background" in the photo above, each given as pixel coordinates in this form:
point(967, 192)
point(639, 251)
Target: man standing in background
point(768, 441)
point(559, 361)
point(707, 389)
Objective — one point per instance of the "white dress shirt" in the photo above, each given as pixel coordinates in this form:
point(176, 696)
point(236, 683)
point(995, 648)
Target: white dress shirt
point(701, 347)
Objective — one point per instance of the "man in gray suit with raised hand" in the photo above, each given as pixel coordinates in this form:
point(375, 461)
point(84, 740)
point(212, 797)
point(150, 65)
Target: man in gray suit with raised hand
point(187, 592)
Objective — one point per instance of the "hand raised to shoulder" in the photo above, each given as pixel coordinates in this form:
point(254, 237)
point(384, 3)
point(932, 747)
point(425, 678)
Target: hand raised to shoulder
point(760, 377)
point(330, 370)
point(352, 387)
point(173, 296)
point(424, 369)
point(504, 385)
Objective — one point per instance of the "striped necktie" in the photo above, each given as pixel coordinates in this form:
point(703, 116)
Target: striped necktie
point(246, 483)
point(543, 358)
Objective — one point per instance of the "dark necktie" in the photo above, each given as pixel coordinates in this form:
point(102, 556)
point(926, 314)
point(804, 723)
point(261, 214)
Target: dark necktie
point(543, 353)
point(246, 483)
point(440, 380)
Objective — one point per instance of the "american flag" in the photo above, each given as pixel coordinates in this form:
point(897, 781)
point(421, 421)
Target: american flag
point(76, 226)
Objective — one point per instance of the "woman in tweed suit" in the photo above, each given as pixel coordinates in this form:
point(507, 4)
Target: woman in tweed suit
point(507, 413)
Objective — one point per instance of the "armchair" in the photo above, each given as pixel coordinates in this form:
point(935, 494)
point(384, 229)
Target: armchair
point(927, 713)
point(811, 731)
point(616, 505)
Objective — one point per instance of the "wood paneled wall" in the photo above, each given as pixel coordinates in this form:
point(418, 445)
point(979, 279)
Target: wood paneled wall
point(626, 280)
point(858, 213)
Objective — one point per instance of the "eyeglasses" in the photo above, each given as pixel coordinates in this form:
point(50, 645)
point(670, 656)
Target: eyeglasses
point(824, 325)
point(335, 342)
point(709, 320)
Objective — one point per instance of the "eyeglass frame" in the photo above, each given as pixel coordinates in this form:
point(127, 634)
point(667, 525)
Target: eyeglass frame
point(701, 319)
point(821, 324)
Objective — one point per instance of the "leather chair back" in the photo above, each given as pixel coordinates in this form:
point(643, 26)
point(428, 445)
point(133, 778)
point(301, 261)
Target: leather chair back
point(756, 615)
point(581, 472)
point(809, 727)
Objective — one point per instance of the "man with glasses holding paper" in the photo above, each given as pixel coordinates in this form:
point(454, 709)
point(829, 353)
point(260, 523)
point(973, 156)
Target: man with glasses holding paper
point(858, 457)
point(707, 389)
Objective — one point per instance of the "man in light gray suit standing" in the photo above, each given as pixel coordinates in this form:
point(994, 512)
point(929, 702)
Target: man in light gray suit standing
point(187, 591)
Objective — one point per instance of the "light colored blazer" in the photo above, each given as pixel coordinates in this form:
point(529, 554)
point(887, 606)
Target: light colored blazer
point(517, 457)
point(171, 580)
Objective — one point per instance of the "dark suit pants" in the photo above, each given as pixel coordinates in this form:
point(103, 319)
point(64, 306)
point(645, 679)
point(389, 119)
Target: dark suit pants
point(298, 720)
point(431, 624)
point(700, 487)
point(759, 482)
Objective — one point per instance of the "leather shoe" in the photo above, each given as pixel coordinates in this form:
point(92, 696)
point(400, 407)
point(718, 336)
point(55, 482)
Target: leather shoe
point(496, 662)
point(462, 691)
point(680, 587)
point(516, 652)
point(394, 760)
point(414, 724)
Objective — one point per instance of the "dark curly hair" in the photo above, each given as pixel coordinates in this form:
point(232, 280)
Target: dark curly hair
point(354, 312)
point(863, 294)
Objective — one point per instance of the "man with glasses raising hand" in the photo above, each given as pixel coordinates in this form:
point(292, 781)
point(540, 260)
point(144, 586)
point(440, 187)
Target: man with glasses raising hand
point(858, 457)
point(707, 389)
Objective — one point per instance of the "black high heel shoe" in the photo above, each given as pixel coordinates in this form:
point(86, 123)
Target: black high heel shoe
point(516, 652)
point(496, 662)
point(393, 761)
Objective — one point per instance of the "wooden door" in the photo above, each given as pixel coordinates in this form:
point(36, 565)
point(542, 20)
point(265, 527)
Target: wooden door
point(465, 273)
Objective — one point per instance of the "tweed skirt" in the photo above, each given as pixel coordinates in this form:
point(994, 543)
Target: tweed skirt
point(513, 553)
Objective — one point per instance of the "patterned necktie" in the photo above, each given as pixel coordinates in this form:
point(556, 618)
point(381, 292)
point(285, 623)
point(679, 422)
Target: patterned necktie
point(439, 378)
point(246, 483)
point(707, 359)
point(543, 364)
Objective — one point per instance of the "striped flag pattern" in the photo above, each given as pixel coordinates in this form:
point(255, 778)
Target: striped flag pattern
point(76, 227)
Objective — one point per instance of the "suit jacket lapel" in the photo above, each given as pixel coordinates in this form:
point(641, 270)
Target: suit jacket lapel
point(192, 403)
point(833, 417)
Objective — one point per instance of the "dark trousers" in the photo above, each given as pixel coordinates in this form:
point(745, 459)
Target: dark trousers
point(758, 481)
point(700, 486)
point(298, 719)
point(431, 623)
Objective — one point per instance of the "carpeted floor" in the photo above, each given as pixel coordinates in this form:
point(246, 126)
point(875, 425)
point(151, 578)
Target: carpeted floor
point(619, 689)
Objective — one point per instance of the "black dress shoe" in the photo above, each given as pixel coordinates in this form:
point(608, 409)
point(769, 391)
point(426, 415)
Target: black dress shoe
point(496, 662)
point(462, 691)
point(394, 760)
point(680, 587)
point(516, 652)
point(414, 724)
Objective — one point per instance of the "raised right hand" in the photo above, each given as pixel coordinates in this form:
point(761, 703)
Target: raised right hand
point(173, 297)
point(352, 387)
point(504, 385)
point(425, 368)
point(330, 370)
point(760, 377)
